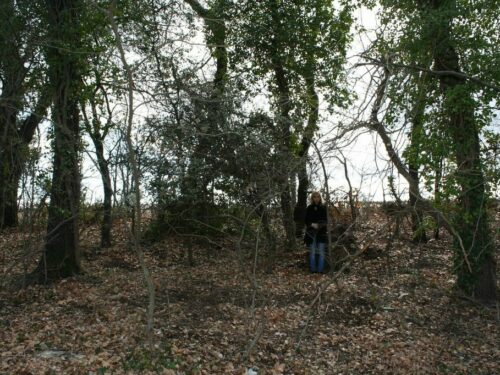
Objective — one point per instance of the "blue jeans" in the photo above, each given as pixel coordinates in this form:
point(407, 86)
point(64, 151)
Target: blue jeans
point(319, 249)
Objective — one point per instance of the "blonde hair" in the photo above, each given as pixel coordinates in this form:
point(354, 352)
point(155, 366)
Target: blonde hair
point(316, 194)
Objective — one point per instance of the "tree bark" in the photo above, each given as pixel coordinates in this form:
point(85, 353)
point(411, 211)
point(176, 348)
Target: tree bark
point(263, 213)
point(61, 255)
point(419, 234)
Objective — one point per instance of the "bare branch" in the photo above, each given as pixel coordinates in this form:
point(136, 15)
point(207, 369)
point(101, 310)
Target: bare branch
point(136, 230)
point(438, 73)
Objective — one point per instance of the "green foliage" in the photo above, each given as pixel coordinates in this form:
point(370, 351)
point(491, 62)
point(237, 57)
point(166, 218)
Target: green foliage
point(309, 38)
point(427, 224)
point(143, 359)
point(447, 114)
point(409, 40)
point(90, 214)
point(491, 161)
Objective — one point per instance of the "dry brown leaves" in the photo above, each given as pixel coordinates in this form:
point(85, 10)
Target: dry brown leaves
point(393, 314)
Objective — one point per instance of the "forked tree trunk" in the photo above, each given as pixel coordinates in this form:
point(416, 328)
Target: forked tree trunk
point(98, 133)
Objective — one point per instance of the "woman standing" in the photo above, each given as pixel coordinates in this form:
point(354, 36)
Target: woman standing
point(316, 235)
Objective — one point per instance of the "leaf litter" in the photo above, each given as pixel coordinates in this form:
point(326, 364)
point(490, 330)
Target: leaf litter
point(393, 312)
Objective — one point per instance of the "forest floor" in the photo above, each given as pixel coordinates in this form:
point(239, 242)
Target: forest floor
point(394, 312)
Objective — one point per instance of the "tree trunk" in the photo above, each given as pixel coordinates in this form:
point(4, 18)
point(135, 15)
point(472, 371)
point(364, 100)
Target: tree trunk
point(437, 192)
point(307, 137)
point(61, 255)
point(13, 91)
point(284, 125)
point(287, 217)
point(13, 154)
point(299, 213)
point(98, 133)
point(10, 189)
point(416, 135)
point(262, 212)
point(16, 150)
point(471, 221)
point(418, 230)
point(350, 195)
point(8, 170)
point(284, 122)
point(214, 19)
point(107, 220)
point(15, 135)
point(10, 177)
point(293, 188)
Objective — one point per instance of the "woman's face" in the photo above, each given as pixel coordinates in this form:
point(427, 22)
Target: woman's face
point(316, 198)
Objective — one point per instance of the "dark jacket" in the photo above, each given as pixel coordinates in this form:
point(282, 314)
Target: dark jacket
point(316, 213)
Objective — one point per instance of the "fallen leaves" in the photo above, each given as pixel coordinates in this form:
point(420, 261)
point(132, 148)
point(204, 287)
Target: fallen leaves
point(390, 314)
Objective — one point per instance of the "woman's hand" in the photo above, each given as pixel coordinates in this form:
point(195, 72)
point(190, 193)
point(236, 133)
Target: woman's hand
point(315, 225)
